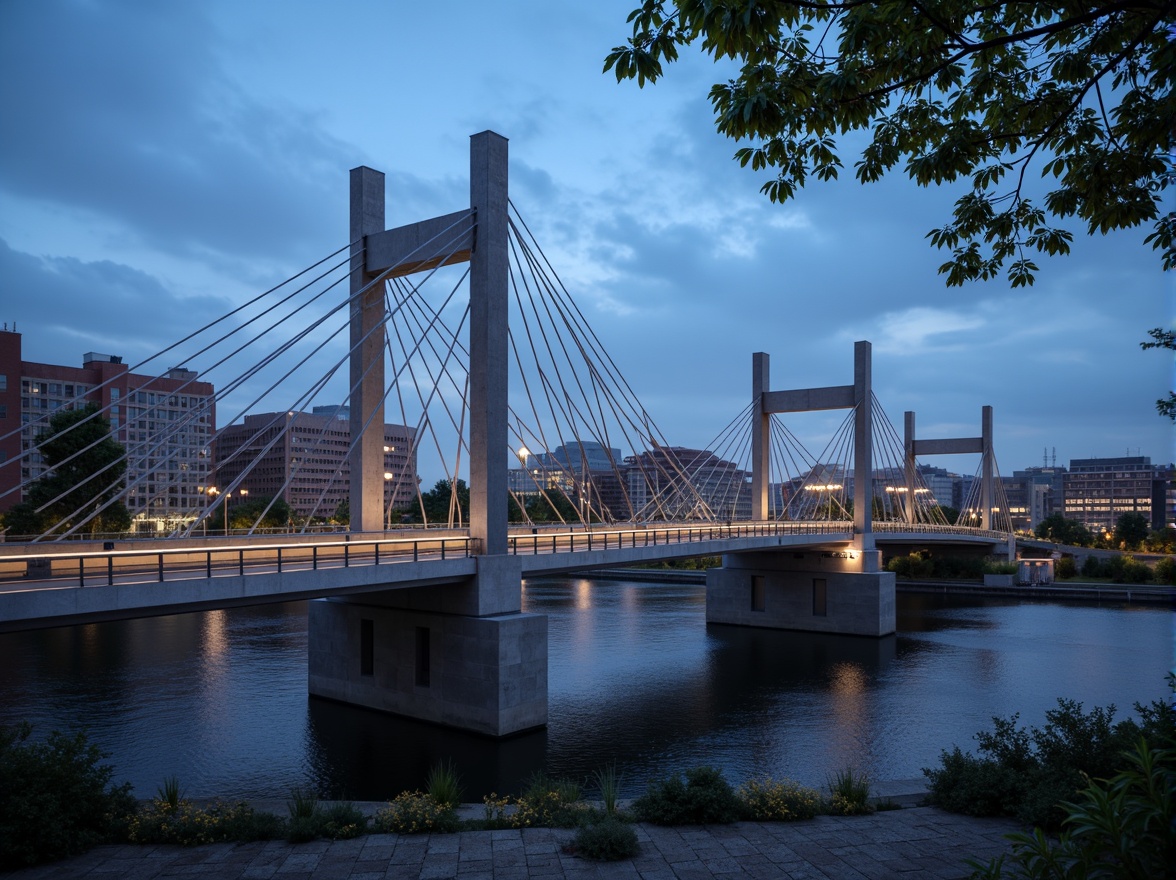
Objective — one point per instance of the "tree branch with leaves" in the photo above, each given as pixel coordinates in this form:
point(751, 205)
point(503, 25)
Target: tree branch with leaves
point(1162, 338)
point(954, 91)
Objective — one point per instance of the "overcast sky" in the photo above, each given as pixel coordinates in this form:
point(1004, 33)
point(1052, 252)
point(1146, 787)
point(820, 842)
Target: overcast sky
point(162, 162)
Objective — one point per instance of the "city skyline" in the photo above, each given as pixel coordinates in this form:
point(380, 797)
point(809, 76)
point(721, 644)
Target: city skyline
point(193, 156)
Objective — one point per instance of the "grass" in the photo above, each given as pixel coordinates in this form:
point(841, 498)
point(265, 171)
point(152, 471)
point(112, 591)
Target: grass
point(849, 794)
point(608, 781)
point(443, 784)
point(170, 792)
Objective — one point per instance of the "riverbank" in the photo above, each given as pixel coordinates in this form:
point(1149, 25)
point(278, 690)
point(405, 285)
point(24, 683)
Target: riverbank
point(1131, 594)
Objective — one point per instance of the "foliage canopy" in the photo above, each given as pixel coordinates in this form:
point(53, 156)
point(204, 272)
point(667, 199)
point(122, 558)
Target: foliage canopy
point(955, 90)
point(84, 479)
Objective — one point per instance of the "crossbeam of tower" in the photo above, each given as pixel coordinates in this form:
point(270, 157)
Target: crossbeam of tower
point(856, 396)
point(417, 247)
point(952, 446)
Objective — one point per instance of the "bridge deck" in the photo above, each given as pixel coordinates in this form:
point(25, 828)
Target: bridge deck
point(52, 585)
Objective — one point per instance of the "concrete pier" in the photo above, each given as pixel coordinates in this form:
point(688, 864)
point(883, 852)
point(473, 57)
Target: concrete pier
point(813, 591)
point(461, 655)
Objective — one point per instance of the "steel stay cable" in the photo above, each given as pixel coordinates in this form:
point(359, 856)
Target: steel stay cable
point(352, 298)
point(139, 450)
point(193, 334)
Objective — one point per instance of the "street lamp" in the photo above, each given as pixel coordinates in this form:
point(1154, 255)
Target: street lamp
point(228, 495)
point(211, 492)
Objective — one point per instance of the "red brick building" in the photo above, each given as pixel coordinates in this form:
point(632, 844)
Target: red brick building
point(166, 423)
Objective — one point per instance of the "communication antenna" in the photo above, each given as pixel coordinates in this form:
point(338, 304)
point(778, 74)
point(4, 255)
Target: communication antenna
point(1055, 457)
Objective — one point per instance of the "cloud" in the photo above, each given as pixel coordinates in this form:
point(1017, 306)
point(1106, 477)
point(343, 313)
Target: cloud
point(133, 118)
point(922, 331)
point(63, 304)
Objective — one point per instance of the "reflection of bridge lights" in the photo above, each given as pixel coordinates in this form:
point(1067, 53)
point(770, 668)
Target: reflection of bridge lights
point(848, 680)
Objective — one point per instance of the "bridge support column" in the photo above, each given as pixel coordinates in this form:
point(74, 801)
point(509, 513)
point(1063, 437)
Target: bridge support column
point(462, 655)
point(814, 591)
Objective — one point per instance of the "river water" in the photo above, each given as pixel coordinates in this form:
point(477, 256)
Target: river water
point(636, 677)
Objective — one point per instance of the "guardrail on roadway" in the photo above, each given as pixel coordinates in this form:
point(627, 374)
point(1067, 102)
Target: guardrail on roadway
point(157, 565)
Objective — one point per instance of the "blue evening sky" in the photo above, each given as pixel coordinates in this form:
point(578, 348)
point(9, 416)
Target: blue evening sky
point(162, 162)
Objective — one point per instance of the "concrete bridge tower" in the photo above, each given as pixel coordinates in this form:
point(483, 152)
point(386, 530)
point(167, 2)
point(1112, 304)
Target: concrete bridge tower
point(831, 590)
point(457, 653)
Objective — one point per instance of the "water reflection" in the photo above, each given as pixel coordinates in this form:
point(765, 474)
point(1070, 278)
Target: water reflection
point(636, 676)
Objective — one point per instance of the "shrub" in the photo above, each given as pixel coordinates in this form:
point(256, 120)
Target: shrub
point(704, 798)
point(849, 794)
point(961, 567)
point(912, 566)
point(1092, 567)
point(766, 800)
point(1165, 571)
point(1132, 571)
point(56, 799)
point(444, 785)
point(546, 809)
point(342, 821)
point(185, 824)
point(567, 790)
point(1026, 773)
point(1065, 568)
point(414, 812)
point(608, 840)
point(549, 803)
point(1119, 827)
point(498, 811)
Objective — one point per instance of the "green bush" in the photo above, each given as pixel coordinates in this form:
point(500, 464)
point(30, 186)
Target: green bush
point(1026, 773)
point(959, 567)
point(766, 800)
point(1117, 827)
point(704, 798)
point(56, 799)
point(1065, 568)
point(608, 840)
point(849, 794)
point(546, 802)
point(414, 812)
point(1129, 570)
point(342, 821)
point(1092, 567)
point(184, 824)
point(1165, 571)
point(546, 809)
point(912, 566)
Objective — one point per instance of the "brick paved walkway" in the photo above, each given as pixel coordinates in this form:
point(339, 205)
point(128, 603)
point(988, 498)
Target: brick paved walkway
point(909, 843)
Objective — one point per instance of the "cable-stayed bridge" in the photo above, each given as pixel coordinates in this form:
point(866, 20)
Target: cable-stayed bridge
point(459, 329)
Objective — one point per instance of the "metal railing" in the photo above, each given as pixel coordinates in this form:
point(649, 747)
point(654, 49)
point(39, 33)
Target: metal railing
point(159, 565)
point(576, 541)
point(933, 529)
